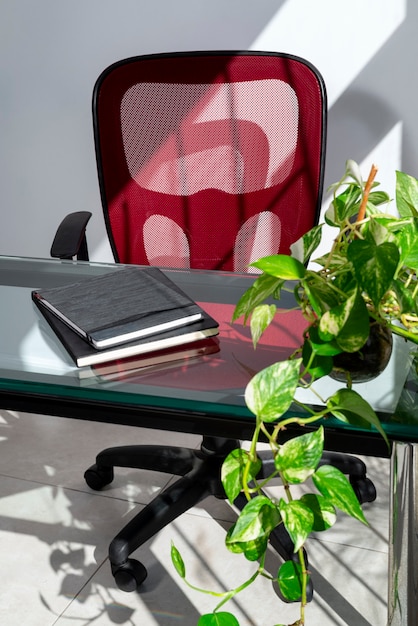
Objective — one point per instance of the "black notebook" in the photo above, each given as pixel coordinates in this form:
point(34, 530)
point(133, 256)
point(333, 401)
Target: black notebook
point(120, 306)
point(84, 354)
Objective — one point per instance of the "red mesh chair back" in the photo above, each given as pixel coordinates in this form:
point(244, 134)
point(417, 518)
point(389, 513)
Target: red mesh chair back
point(209, 159)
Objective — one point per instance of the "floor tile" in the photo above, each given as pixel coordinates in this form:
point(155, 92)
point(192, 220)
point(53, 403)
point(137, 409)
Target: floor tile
point(52, 540)
point(165, 600)
point(57, 451)
point(55, 531)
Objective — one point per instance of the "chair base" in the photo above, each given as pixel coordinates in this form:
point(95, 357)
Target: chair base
point(200, 476)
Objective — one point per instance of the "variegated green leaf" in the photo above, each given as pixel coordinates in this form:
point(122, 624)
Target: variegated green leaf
point(374, 266)
point(316, 365)
point(298, 458)
point(306, 245)
point(298, 520)
point(220, 618)
point(334, 485)
point(356, 329)
point(344, 206)
point(262, 288)
point(281, 266)
point(256, 520)
point(377, 232)
point(404, 297)
point(324, 348)
point(261, 317)
point(350, 407)
point(347, 323)
point(252, 549)
point(289, 579)
point(352, 169)
point(406, 194)
point(407, 241)
point(323, 511)
point(270, 392)
point(177, 561)
point(322, 295)
point(232, 472)
point(377, 198)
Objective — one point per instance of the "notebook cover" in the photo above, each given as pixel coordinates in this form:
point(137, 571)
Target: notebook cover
point(85, 354)
point(120, 306)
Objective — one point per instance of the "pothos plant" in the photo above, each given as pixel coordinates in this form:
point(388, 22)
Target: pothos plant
point(368, 276)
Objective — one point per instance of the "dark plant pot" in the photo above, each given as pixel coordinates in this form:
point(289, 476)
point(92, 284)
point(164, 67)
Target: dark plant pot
point(368, 362)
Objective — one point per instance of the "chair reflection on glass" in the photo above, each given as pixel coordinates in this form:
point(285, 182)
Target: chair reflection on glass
point(206, 160)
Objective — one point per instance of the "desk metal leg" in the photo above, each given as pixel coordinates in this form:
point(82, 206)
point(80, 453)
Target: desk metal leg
point(403, 540)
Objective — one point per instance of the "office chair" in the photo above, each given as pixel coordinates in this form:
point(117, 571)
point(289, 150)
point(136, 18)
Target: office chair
point(205, 160)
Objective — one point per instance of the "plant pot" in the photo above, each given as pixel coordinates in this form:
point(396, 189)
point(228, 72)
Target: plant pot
point(368, 362)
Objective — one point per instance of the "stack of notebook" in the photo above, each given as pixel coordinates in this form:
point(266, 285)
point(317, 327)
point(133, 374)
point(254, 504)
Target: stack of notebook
point(129, 314)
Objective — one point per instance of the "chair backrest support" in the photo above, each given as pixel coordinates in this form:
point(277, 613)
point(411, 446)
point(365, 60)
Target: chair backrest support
point(209, 159)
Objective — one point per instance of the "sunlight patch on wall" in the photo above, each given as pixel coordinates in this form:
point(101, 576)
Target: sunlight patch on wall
point(339, 42)
point(102, 252)
point(386, 155)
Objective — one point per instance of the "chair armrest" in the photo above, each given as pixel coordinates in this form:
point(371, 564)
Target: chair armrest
point(70, 239)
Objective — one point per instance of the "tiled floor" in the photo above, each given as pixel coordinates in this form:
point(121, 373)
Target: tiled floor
point(54, 535)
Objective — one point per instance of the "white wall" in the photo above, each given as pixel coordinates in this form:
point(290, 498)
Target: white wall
point(51, 52)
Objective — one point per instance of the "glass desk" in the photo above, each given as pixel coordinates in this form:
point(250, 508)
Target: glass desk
point(203, 395)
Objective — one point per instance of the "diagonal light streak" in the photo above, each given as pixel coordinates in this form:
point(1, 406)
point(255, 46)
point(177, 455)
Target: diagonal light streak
point(339, 41)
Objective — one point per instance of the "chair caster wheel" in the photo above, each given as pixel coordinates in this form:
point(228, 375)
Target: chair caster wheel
point(364, 489)
point(130, 575)
point(97, 478)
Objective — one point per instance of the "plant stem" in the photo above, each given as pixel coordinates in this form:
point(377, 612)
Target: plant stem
point(304, 585)
point(300, 421)
point(367, 188)
point(336, 243)
point(252, 455)
point(234, 592)
point(414, 293)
